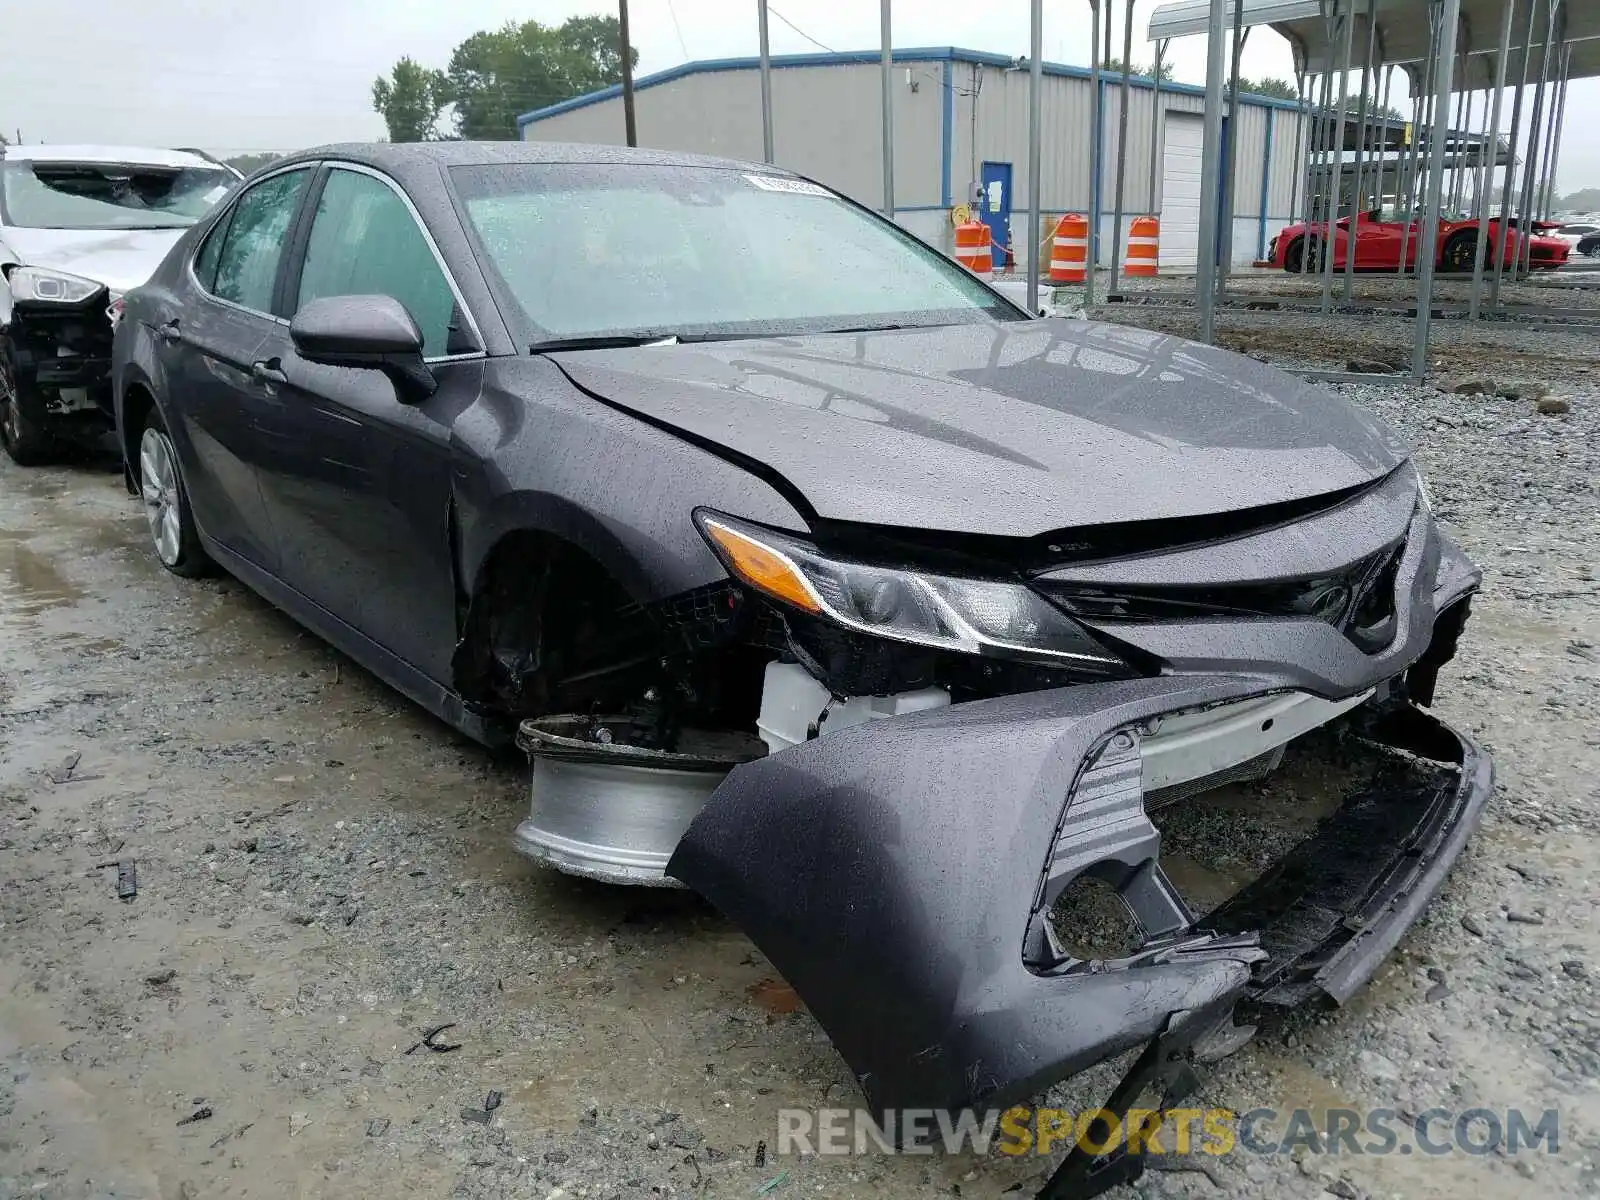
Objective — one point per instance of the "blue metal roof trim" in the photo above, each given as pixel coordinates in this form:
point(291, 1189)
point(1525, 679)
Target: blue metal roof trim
point(862, 57)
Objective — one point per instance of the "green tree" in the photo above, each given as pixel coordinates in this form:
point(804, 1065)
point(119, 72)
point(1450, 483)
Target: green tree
point(1277, 88)
point(245, 163)
point(410, 101)
point(1113, 66)
point(496, 75)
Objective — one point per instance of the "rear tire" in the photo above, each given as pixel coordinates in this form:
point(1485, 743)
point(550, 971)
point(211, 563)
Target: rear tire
point(166, 502)
point(26, 440)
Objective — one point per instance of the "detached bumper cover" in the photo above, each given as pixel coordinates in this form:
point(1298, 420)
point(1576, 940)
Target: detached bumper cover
point(892, 873)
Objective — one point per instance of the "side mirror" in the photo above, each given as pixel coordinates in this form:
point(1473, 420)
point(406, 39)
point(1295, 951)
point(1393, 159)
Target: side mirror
point(365, 331)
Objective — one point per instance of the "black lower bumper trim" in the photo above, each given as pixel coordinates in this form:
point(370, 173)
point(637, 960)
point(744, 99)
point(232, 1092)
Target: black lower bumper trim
point(1330, 910)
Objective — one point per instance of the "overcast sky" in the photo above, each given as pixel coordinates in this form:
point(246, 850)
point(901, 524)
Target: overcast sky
point(245, 75)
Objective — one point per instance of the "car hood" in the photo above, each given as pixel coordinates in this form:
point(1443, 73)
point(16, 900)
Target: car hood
point(1007, 429)
point(121, 259)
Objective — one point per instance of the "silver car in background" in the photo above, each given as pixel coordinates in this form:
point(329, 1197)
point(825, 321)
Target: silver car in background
point(80, 226)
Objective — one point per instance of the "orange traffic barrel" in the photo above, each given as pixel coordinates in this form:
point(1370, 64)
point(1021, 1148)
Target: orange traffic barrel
point(972, 247)
point(1144, 246)
point(1069, 249)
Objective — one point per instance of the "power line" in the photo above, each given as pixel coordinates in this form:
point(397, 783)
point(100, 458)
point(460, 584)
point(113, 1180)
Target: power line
point(678, 29)
point(800, 31)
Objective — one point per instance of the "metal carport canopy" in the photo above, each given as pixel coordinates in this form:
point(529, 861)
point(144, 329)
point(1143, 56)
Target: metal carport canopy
point(1402, 31)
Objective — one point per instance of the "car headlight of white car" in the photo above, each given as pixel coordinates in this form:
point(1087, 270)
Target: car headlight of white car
point(41, 285)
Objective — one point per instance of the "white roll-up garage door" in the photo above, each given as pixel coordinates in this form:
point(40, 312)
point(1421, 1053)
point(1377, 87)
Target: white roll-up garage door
point(1180, 190)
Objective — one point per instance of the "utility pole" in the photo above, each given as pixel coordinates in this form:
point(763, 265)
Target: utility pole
point(627, 75)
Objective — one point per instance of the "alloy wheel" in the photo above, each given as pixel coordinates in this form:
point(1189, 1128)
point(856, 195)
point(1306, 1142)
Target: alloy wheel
point(158, 486)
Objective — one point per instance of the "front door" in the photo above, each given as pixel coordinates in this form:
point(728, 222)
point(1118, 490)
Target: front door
point(994, 206)
point(360, 484)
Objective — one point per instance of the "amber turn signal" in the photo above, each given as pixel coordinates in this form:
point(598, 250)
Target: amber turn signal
point(762, 567)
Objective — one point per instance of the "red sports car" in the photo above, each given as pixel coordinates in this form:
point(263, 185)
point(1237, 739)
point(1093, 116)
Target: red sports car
point(1378, 244)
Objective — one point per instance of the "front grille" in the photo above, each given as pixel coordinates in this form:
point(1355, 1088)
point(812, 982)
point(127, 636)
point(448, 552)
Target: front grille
point(1358, 600)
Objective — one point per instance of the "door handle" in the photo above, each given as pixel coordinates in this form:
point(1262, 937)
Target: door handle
point(269, 371)
point(169, 332)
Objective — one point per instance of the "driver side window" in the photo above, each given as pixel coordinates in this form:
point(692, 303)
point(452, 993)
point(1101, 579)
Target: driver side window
point(364, 241)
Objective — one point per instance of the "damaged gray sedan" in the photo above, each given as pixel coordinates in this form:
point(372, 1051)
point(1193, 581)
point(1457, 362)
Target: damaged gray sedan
point(816, 576)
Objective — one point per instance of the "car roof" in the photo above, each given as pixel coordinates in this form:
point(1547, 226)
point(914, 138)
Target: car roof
point(140, 155)
point(399, 157)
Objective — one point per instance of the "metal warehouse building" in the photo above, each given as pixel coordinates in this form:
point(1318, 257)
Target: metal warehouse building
point(960, 135)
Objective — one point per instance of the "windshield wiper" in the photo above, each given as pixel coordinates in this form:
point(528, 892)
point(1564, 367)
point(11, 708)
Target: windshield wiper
point(603, 341)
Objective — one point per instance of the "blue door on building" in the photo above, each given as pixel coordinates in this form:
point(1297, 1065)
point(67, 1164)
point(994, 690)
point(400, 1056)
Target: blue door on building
point(994, 206)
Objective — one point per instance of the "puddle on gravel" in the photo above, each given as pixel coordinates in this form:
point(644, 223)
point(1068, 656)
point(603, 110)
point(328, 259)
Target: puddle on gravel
point(31, 582)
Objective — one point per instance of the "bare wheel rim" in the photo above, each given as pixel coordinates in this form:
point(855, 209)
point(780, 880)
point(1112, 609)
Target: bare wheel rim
point(158, 486)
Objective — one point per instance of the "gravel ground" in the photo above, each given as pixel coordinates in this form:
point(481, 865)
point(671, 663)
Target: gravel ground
point(324, 874)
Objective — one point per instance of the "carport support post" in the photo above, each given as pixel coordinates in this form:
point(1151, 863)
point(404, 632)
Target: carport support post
point(1211, 173)
point(886, 69)
point(1122, 150)
point(766, 84)
point(1155, 134)
point(1225, 235)
point(1422, 106)
point(1428, 246)
point(1317, 170)
point(1511, 166)
point(1383, 134)
point(1530, 169)
point(1035, 87)
point(1552, 153)
point(1337, 161)
point(1358, 203)
point(1096, 119)
point(1486, 169)
point(1302, 116)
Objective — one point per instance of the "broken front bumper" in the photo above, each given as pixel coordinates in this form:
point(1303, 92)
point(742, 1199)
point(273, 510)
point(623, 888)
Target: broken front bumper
point(897, 873)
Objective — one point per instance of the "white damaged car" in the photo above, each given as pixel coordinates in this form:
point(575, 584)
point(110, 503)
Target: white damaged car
point(80, 226)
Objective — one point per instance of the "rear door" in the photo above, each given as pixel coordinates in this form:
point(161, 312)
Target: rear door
point(212, 400)
point(360, 486)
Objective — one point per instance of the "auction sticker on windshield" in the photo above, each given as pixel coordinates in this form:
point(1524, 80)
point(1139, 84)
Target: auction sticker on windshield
point(798, 187)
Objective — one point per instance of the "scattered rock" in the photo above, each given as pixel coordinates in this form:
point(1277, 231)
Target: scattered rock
point(1552, 406)
point(1472, 925)
point(1344, 1189)
point(297, 1122)
point(1528, 389)
point(1517, 917)
point(377, 1127)
point(1368, 366)
point(1437, 993)
point(1479, 386)
point(1377, 1066)
point(161, 978)
point(652, 1141)
point(1574, 968)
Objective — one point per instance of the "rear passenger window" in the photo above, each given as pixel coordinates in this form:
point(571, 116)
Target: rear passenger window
point(205, 263)
point(365, 242)
point(252, 247)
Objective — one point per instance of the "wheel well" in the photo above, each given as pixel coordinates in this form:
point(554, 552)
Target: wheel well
point(540, 611)
point(137, 402)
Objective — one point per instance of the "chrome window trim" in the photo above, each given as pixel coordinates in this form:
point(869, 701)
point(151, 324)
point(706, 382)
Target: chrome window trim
point(339, 164)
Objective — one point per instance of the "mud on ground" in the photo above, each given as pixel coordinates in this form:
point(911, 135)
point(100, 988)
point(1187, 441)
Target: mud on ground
point(323, 874)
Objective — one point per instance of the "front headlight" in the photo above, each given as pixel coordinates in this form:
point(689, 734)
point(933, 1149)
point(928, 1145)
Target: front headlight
point(972, 616)
point(40, 285)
